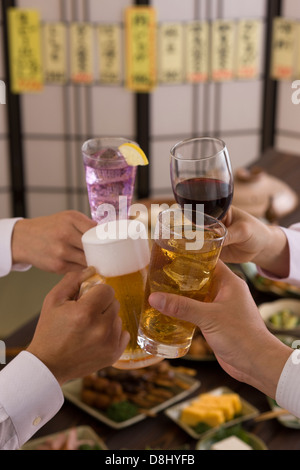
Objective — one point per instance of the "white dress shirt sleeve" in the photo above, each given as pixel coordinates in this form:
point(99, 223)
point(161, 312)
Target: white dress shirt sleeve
point(288, 387)
point(29, 397)
point(6, 264)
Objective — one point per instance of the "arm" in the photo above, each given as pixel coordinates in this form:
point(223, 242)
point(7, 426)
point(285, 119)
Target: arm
point(249, 239)
point(73, 338)
point(29, 397)
point(51, 243)
point(234, 329)
point(7, 227)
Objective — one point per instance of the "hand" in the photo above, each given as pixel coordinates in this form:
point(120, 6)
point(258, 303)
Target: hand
point(249, 239)
point(233, 328)
point(73, 337)
point(51, 243)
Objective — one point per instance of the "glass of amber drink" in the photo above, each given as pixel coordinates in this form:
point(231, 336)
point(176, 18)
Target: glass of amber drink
point(119, 250)
point(181, 266)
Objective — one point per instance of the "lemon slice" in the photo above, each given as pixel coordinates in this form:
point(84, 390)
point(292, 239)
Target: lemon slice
point(133, 154)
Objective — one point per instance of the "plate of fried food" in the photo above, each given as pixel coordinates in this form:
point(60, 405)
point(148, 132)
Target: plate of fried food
point(120, 398)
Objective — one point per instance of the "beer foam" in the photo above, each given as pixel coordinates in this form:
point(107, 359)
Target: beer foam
point(114, 250)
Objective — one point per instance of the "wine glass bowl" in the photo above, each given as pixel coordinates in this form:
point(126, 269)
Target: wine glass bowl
point(201, 173)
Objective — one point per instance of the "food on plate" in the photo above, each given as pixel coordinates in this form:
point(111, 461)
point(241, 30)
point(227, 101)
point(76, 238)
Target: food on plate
point(209, 410)
point(269, 284)
point(69, 441)
point(122, 394)
point(231, 443)
point(284, 319)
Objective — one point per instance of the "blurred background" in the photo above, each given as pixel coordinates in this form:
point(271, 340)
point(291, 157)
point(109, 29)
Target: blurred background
point(41, 133)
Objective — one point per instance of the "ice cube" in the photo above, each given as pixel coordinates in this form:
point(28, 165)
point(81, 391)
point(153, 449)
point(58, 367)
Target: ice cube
point(188, 274)
point(109, 154)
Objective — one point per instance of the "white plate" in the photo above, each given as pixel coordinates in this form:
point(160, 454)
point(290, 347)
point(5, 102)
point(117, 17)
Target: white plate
point(83, 433)
point(248, 412)
point(72, 391)
point(268, 309)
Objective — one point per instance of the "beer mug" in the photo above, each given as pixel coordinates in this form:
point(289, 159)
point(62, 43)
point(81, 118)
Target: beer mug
point(186, 248)
point(119, 251)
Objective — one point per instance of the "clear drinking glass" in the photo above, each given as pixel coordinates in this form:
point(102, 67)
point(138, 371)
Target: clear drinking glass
point(180, 266)
point(201, 174)
point(110, 180)
point(121, 258)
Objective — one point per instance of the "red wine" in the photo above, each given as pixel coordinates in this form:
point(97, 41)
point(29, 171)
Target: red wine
point(216, 195)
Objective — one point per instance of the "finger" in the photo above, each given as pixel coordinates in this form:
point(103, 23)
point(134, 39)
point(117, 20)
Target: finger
point(180, 307)
point(74, 256)
point(82, 223)
point(99, 298)
point(68, 287)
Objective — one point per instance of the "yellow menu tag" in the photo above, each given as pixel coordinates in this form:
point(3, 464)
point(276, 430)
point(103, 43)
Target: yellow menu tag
point(197, 47)
point(140, 48)
point(109, 40)
point(223, 47)
point(283, 49)
point(81, 53)
point(25, 50)
point(55, 57)
point(171, 61)
point(249, 36)
point(297, 61)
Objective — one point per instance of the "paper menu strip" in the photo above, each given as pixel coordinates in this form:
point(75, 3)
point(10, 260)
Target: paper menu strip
point(223, 50)
point(248, 53)
point(110, 57)
point(171, 60)
point(25, 52)
point(197, 51)
point(81, 44)
point(140, 25)
point(55, 53)
point(283, 49)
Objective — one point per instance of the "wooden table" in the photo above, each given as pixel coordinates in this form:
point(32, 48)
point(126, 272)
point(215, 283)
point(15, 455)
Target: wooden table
point(160, 432)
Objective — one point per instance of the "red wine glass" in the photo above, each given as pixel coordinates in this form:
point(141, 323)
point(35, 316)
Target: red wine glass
point(201, 173)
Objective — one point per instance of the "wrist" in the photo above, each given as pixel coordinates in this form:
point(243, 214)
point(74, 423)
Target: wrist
point(19, 242)
point(267, 365)
point(274, 257)
point(51, 364)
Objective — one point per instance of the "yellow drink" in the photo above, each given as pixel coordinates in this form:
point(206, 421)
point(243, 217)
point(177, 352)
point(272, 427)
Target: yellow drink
point(174, 269)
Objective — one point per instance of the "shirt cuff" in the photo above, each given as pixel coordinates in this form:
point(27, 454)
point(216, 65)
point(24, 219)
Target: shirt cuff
point(6, 231)
point(30, 394)
point(287, 392)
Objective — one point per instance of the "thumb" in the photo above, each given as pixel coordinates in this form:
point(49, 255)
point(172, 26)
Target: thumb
point(180, 307)
point(68, 287)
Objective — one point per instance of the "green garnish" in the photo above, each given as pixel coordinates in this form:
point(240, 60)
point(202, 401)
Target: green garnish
point(89, 447)
point(121, 411)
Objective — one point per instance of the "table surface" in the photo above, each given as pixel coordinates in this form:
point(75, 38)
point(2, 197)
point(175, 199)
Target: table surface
point(160, 432)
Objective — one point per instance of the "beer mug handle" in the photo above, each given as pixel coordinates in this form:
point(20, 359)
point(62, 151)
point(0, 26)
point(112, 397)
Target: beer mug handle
point(89, 283)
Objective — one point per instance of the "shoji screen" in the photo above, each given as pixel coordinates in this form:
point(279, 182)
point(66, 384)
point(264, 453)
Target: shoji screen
point(231, 111)
point(57, 121)
point(287, 131)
